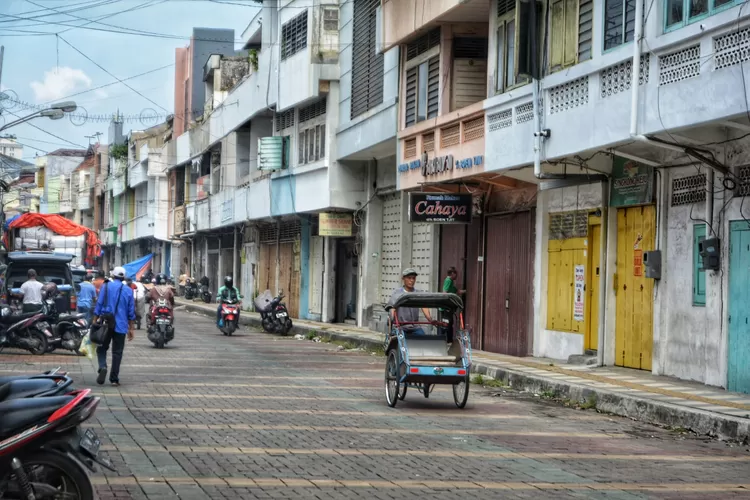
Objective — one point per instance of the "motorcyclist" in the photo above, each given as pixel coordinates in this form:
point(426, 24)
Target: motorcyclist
point(226, 293)
point(160, 291)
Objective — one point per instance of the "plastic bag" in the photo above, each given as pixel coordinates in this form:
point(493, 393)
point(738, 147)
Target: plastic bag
point(87, 348)
point(263, 301)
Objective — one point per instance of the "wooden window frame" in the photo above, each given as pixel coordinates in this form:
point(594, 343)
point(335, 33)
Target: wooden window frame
point(564, 47)
point(502, 85)
point(422, 86)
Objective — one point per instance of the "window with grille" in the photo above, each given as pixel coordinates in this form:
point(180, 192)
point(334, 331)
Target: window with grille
point(688, 190)
point(284, 120)
point(679, 13)
point(423, 44)
point(570, 32)
point(469, 71)
point(367, 66)
point(507, 52)
point(311, 136)
point(294, 35)
point(422, 91)
point(619, 22)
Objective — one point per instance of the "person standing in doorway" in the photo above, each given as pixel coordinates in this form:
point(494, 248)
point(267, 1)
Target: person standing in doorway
point(86, 298)
point(449, 286)
point(115, 300)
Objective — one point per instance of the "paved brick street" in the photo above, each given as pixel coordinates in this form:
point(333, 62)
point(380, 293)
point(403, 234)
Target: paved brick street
point(258, 416)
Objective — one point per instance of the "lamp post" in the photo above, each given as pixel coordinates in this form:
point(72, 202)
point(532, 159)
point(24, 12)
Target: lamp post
point(54, 112)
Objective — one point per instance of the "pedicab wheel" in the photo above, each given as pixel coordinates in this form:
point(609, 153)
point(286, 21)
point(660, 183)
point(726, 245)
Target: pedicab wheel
point(402, 392)
point(461, 392)
point(392, 385)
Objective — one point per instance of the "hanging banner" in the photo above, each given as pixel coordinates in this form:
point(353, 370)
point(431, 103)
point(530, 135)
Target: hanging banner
point(335, 224)
point(578, 298)
point(632, 183)
point(440, 208)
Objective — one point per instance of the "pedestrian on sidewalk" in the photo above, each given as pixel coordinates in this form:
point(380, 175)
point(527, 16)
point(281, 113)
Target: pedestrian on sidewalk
point(116, 301)
point(449, 286)
point(86, 297)
point(408, 314)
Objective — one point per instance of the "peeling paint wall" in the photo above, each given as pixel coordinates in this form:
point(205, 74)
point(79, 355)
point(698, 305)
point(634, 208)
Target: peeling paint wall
point(232, 70)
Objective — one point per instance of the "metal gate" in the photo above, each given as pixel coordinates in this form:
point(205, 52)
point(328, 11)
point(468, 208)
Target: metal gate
point(289, 262)
point(421, 255)
point(390, 254)
point(509, 258)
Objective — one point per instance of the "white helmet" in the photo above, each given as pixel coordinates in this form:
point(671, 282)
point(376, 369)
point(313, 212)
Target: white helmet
point(118, 272)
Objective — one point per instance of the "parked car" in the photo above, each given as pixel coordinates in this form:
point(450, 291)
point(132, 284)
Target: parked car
point(49, 267)
point(78, 277)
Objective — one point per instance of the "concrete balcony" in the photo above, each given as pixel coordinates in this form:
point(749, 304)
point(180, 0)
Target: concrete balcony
point(137, 174)
point(139, 227)
point(118, 185)
point(65, 207)
point(83, 200)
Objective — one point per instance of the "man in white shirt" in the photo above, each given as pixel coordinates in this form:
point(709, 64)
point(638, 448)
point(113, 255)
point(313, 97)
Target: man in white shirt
point(31, 291)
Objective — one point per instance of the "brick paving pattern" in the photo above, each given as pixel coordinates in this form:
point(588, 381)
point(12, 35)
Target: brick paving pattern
point(255, 416)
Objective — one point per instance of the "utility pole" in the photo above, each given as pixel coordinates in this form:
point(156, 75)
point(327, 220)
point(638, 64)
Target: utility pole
point(2, 53)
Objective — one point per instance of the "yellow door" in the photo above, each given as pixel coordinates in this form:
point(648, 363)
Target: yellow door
point(591, 340)
point(634, 292)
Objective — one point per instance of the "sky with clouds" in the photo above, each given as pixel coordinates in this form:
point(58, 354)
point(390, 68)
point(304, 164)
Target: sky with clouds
point(55, 49)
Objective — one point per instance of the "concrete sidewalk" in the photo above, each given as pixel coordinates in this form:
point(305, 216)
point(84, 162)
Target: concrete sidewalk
point(625, 392)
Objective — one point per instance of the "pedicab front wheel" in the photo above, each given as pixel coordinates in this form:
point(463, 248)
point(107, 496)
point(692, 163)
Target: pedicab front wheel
point(392, 384)
point(461, 392)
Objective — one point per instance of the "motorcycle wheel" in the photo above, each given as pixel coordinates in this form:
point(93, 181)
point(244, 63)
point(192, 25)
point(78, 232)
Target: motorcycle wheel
point(65, 475)
point(267, 325)
point(287, 326)
point(41, 339)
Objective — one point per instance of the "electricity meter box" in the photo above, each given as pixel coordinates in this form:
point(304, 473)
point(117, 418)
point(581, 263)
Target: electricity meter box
point(652, 264)
point(710, 251)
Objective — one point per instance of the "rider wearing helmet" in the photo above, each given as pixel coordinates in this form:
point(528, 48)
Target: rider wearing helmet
point(160, 291)
point(226, 292)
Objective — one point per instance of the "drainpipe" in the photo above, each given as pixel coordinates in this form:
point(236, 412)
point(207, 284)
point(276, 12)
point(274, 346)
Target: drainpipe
point(603, 252)
point(710, 200)
point(636, 73)
point(278, 256)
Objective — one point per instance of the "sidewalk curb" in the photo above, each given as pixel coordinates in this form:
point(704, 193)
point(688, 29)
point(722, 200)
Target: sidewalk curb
point(637, 408)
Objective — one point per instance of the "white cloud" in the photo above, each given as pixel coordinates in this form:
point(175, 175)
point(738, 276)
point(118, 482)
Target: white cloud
point(59, 82)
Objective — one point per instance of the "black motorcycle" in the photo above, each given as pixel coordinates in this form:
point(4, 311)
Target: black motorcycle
point(191, 289)
point(274, 317)
point(205, 293)
point(68, 330)
point(160, 332)
point(26, 331)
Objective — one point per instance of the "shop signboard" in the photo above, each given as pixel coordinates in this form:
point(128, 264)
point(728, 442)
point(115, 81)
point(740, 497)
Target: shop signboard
point(632, 183)
point(335, 224)
point(440, 208)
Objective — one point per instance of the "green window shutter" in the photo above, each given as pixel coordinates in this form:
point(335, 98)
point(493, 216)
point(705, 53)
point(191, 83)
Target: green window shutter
point(699, 276)
point(557, 31)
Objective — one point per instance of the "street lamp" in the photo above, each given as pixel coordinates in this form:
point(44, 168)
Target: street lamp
point(54, 112)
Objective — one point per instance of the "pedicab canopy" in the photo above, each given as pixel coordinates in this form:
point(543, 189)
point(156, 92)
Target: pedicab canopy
point(448, 301)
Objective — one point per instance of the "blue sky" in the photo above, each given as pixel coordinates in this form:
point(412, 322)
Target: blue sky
point(40, 67)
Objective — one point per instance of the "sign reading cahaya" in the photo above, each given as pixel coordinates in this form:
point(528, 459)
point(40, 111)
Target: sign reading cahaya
point(440, 208)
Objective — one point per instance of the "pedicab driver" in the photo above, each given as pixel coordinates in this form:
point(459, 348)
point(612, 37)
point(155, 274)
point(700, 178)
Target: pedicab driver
point(408, 314)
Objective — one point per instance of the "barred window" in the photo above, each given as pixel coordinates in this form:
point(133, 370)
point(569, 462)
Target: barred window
point(294, 35)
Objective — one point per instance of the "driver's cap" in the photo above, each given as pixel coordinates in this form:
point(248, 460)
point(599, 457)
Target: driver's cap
point(409, 272)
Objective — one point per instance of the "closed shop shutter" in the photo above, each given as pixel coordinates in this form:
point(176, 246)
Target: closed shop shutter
point(390, 255)
point(289, 262)
point(421, 255)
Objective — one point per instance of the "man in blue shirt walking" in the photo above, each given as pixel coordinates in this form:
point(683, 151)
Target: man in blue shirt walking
point(87, 297)
point(119, 303)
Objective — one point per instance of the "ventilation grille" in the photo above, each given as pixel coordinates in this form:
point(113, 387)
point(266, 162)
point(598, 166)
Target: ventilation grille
point(294, 35)
point(688, 190)
point(474, 129)
point(501, 119)
point(569, 95)
point(428, 142)
point(618, 78)
point(290, 231)
point(423, 44)
point(469, 48)
point(312, 111)
point(525, 112)
point(450, 136)
point(284, 120)
point(680, 65)
point(565, 225)
point(505, 6)
point(410, 148)
point(732, 48)
point(743, 186)
point(585, 29)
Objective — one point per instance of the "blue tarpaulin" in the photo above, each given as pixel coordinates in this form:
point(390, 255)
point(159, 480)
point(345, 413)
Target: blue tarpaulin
point(137, 268)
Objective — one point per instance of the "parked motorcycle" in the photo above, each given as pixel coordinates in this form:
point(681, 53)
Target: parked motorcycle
point(44, 453)
point(205, 294)
point(191, 289)
point(160, 332)
point(274, 316)
point(24, 331)
point(35, 386)
point(230, 316)
point(68, 330)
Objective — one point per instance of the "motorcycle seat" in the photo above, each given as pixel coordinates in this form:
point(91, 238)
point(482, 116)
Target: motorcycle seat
point(27, 388)
point(18, 414)
point(71, 317)
point(15, 318)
